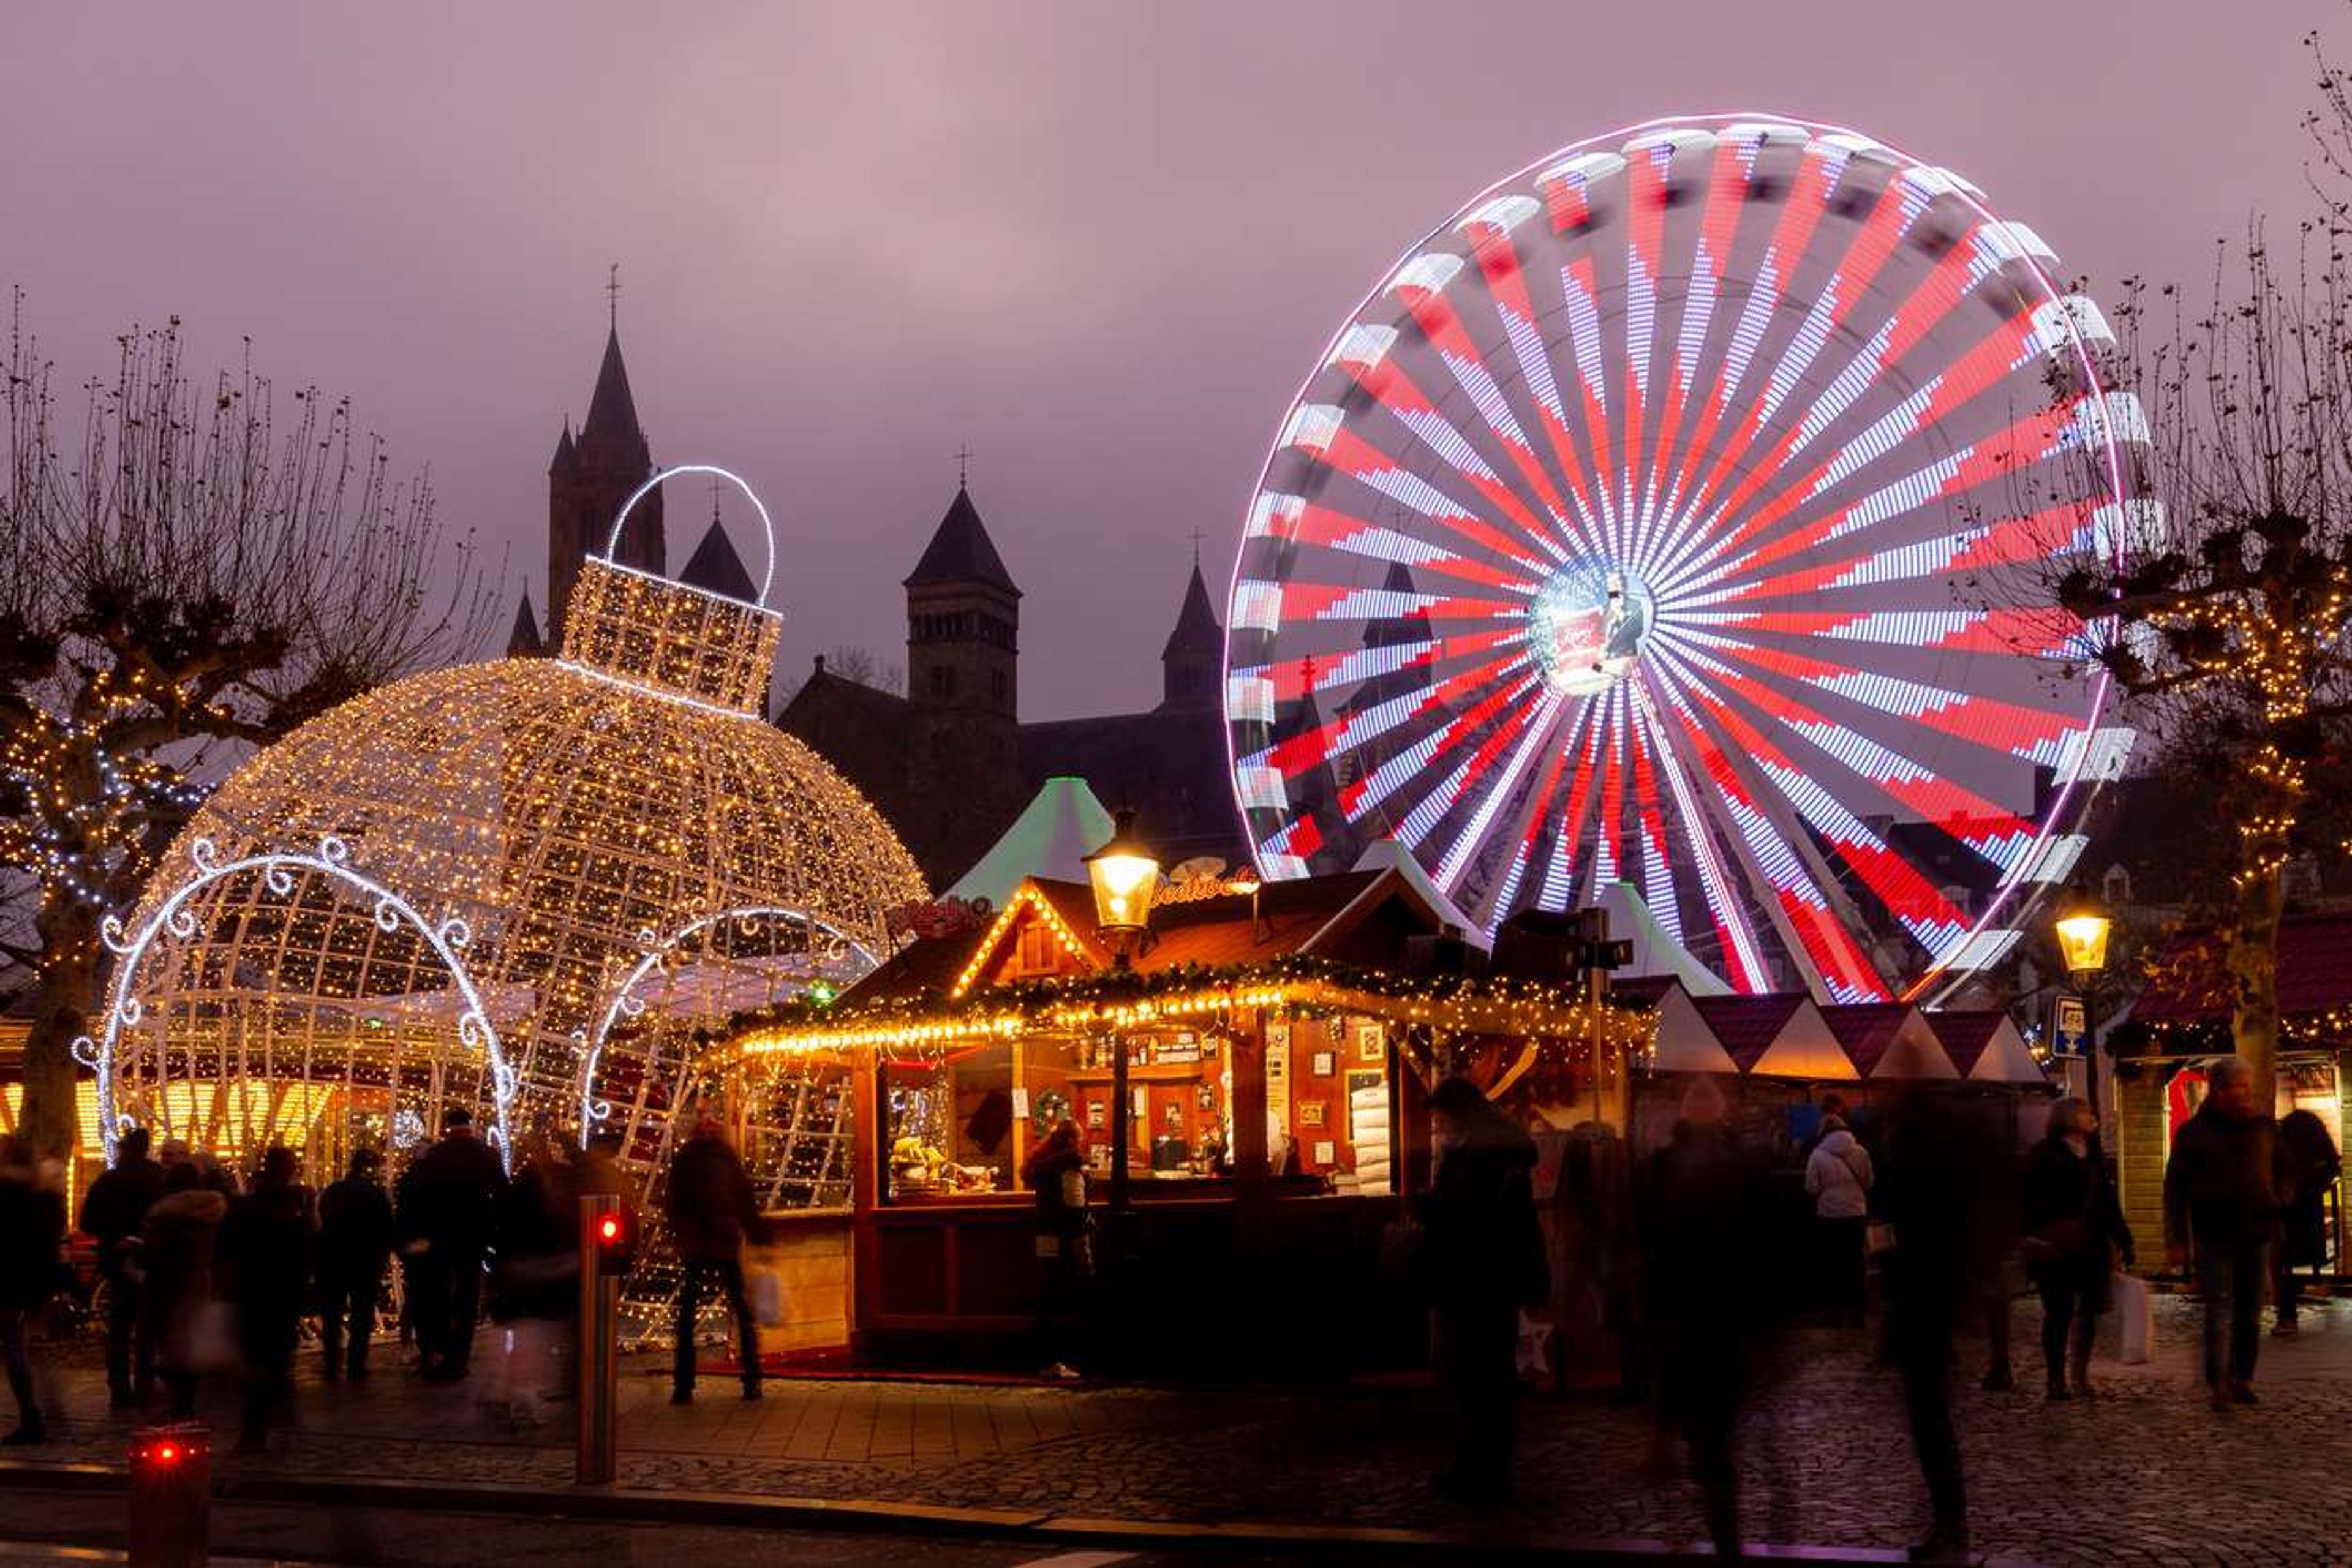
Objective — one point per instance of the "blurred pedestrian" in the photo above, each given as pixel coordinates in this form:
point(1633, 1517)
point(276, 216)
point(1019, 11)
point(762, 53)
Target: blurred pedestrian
point(1485, 1261)
point(711, 1212)
point(1056, 1171)
point(453, 1194)
point(2222, 1211)
point(111, 1213)
point(2075, 1233)
point(535, 1292)
point(2309, 1164)
point(32, 1242)
point(1942, 1156)
point(1839, 1175)
point(269, 1244)
point(176, 1251)
point(355, 1239)
point(1705, 1296)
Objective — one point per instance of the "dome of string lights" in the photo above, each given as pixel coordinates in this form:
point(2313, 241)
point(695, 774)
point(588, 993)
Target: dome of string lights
point(525, 887)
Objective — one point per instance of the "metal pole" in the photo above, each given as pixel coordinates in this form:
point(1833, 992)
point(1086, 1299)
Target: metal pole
point(598, 1462)
point(2089, 981)
point(1122, 1110)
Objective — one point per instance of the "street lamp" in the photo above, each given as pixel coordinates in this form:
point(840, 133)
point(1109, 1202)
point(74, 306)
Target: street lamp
point(1247, 883)
point(1124, 875)
point(2083, 927)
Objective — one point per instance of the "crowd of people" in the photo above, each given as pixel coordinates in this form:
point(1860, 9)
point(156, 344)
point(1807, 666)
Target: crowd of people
point(1956, 1221)
point(205, 1276)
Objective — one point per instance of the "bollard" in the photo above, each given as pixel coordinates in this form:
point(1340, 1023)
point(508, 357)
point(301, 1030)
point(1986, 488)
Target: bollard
point(171, 1496)
point(606, 1248)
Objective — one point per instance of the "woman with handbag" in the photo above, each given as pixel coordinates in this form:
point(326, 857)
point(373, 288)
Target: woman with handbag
point(2074, 1231)
point(1838, 1175)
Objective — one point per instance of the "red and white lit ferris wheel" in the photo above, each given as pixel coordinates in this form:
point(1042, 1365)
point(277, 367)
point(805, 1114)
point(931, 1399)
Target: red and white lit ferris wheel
point(1669, 515)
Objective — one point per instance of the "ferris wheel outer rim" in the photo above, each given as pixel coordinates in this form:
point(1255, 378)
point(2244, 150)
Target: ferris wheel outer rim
point(2060, 807)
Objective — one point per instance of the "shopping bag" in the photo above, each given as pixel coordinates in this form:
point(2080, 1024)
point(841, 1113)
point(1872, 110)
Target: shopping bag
point(1877, 1238)
point(2135, 1315)
point(768, 1299)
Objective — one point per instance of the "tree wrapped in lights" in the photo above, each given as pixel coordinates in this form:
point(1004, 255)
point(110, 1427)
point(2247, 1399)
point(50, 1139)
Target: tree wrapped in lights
point(2222, 616)
point(530, 886)
point(186, 575)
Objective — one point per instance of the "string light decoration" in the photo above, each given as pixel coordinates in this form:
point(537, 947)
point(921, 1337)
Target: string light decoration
point(531, 887)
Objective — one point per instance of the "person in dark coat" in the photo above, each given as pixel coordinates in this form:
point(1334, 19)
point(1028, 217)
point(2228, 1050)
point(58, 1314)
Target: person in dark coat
point(2222, 1212)
point(269, 1244)
point(536, 1289)
point(355, 1238)
point(1703, 1216)
point(2075, 1233)
point(32, 1241)
point(1056, 1171)
point(1483, 1261)
point(711, 1212)
point(111, 1213)
point(452, 1195)
point(2309, 1164)
point(1943, 1156)
point(176, 1251)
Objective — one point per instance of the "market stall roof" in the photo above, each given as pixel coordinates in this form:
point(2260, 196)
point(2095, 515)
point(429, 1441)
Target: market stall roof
point(1051, 838)
point(1338, 943)
point(2188, 983)
point(1890, 1038)
point(1779, 1034)
point(1684, 1042)
point(1984, 1047)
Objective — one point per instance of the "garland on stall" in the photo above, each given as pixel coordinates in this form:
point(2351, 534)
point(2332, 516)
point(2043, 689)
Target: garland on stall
point(1299, 984)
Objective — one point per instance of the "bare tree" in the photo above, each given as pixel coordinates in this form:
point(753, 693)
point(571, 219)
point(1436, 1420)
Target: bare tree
point(862, 666)
point(183, 580)
point(2226, 629)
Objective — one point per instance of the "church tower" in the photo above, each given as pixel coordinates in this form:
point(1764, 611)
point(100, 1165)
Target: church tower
point(587, 482)
point(963, 627)
point(1194, 659)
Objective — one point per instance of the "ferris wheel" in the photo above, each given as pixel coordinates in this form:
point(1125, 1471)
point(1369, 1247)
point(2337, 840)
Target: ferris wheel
point(1670, 515)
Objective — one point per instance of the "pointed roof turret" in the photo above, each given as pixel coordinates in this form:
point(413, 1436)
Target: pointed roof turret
point(715, 568)
point(567, 456)
point(524, 641)
point(962, 552)
point(611, 437)
point(1197, 631)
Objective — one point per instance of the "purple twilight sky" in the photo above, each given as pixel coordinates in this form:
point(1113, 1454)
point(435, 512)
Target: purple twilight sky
point(1101, 242)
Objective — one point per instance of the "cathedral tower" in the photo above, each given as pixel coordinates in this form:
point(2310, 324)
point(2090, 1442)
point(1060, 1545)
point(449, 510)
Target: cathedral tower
point(588, 481)
point(963, 625)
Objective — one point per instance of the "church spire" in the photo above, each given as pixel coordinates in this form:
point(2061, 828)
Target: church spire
point(1195, 652)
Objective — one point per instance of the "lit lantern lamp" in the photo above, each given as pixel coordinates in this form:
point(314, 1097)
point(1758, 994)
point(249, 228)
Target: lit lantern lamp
point(1126, 877)
point(2083, 926)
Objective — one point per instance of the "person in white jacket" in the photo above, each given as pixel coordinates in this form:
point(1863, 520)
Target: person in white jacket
point(1839, 1176)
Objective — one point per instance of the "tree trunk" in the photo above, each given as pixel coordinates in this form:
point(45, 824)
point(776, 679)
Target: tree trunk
point(62, 995)
point(2252, 963)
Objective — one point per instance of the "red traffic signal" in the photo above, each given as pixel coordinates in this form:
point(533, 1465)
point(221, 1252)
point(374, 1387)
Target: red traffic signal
point(612, 1238)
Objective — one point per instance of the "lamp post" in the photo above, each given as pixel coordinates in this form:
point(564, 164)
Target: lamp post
point(1125, 875)
point(1248, 883)
point(2083, 927)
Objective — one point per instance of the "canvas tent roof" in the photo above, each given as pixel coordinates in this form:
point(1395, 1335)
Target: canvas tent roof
point(1655, 952)
point(1889, 1040)
point(1985, 1047)
point(1051, 839)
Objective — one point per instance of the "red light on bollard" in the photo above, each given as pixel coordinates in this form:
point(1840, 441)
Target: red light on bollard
point(611, 1228)
point(171, 1497)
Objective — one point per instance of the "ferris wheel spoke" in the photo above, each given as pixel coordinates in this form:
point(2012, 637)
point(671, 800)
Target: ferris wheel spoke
point(1536, 815)
point(1755, 718)
point(1686, 781)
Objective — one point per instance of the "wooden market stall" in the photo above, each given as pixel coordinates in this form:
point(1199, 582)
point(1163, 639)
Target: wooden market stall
point(1280, 1045)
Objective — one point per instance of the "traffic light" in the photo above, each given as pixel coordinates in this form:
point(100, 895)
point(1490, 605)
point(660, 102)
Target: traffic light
point(171, 1496)
point(615, 1243)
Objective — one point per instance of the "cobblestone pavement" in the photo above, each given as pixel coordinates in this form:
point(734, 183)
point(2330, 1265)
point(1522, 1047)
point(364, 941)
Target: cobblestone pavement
point(2144, 1474)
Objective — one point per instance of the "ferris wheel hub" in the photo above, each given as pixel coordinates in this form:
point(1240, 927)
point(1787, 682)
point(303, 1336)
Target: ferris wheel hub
point(1586, 627)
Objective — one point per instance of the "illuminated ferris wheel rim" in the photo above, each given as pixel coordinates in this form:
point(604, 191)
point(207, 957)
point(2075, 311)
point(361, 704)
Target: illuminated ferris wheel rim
point(2074, 778)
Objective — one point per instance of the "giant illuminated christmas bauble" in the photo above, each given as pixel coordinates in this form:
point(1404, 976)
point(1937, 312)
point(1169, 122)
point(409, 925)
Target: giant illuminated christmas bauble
point(521, 886)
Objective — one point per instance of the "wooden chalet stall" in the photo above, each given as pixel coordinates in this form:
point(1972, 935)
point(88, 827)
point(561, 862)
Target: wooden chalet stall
point(1280, 1047)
